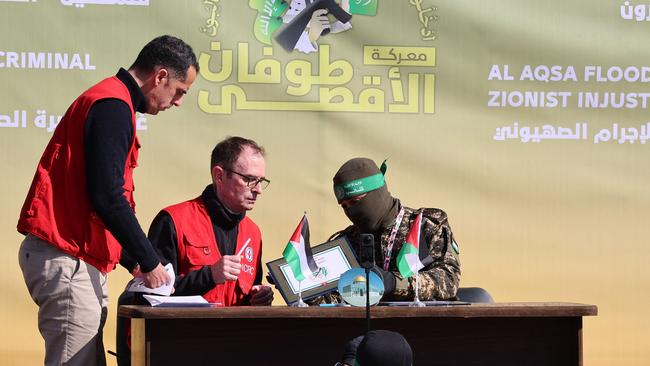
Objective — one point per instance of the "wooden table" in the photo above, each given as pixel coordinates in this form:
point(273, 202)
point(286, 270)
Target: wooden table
point(478, 334)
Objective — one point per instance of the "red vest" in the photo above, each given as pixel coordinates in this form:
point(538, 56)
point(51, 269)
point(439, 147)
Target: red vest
point(197, 247)
point(57, 208)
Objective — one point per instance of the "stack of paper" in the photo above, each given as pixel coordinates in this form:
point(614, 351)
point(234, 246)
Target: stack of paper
point(176, 301)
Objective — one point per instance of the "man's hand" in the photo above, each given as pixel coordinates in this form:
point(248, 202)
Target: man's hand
point(317, 24)
point(157, 277)
point(136, 271)
point(226, 269)
point(388, 278)
point(261, 295)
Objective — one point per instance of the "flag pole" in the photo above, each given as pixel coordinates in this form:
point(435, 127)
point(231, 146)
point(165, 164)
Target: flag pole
point(367, 299)
point(416, 302)
point(299, 257)
point(300, 303)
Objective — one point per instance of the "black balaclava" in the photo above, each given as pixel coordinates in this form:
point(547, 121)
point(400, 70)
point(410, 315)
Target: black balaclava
point(378, 208)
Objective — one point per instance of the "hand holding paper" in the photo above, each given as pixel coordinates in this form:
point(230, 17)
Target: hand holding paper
point(156, 277)
point(138, 283)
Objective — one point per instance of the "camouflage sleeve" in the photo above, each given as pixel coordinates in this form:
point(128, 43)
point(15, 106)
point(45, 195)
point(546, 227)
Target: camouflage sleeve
point(440, 279)
point(330, 298)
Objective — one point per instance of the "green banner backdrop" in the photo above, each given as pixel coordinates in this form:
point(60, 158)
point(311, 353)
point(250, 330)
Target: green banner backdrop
point(525, 121)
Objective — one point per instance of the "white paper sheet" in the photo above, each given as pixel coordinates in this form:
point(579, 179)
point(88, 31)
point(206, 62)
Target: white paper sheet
point(137, 284)
point(178, 301)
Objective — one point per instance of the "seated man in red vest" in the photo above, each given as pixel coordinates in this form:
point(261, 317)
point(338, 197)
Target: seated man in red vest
point(214, 247)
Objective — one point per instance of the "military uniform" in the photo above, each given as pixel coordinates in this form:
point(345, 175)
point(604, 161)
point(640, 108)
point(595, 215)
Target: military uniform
point(437, 281)
point(360, 188)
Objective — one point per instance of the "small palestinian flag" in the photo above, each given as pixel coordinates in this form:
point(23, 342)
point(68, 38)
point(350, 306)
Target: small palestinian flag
point(414, 254)
point(298, 252)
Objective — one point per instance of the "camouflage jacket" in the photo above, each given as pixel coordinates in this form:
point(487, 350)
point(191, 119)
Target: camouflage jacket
point(437, 281)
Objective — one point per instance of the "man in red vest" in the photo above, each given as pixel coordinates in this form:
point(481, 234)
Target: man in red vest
point(80, 213)
point(215, 249)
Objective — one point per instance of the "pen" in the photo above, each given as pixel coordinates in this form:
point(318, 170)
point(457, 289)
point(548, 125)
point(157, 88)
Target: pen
point(244, 247)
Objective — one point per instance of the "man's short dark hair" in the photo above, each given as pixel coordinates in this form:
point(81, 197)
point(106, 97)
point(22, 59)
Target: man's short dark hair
point(168, 52)
point(227, 151)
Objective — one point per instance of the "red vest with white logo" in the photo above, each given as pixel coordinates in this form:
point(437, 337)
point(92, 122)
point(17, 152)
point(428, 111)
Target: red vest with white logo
point(57, 208)
point(197, 247)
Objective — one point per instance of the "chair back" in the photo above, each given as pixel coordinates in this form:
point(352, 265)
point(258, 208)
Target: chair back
point(474, 294)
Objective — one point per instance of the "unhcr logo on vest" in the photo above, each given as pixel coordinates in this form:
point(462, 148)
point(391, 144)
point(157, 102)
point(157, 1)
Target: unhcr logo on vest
point(45, 60)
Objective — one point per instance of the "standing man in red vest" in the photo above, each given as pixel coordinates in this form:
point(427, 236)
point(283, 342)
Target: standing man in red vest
point(80, 213)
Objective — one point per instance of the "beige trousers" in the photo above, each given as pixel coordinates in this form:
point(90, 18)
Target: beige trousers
point(72, 299)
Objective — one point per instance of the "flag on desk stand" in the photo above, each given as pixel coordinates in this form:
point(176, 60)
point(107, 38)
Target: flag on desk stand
point(414, 255)
point(299, 257)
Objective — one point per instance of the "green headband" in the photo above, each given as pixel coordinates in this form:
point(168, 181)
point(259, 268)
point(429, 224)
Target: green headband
point(359, 186)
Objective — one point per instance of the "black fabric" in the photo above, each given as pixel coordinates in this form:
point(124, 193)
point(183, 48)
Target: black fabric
point(384, 348)
point(388, 278)
point(374, 212)
point(226, 228)
point(108, 132)
point(350, 350)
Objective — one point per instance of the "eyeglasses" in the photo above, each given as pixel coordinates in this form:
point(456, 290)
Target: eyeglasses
point(251, 181)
